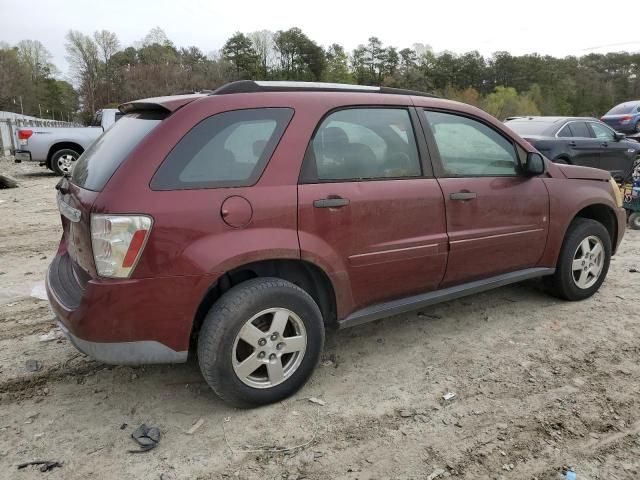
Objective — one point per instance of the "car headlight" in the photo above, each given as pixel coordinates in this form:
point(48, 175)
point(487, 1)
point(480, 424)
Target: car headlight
point(616, 192)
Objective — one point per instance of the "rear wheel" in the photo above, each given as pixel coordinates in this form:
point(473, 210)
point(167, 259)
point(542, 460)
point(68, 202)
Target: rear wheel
point(63, 161)
point(634, 221)
point(260, 342)
point(583, 262)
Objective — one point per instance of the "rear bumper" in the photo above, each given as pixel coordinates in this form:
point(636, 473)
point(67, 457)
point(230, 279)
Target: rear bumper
point(22, 156)
point(129, 321)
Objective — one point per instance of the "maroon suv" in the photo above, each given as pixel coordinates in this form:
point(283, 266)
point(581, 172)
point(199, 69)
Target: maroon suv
point(240, 224)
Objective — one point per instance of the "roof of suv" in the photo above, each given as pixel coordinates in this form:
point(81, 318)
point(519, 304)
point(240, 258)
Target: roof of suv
point(171, 103)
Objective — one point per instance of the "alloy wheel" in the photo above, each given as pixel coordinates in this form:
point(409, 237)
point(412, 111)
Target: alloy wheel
point(588, 261)
point(269, 348)
point(66, 162)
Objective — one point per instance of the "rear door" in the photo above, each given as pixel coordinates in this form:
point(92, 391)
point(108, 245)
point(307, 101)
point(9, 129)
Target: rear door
point(613, 152)
point(583, 146)
point(368, 206)
point(497, 218)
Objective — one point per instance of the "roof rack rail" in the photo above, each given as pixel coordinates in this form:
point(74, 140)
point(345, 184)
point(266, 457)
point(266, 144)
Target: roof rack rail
point(258, 86)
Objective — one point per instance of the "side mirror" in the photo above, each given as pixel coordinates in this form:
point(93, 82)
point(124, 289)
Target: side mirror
point(535, 164)
point(619, 136)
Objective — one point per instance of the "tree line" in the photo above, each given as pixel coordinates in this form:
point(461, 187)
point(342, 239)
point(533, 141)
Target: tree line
point(103, 73)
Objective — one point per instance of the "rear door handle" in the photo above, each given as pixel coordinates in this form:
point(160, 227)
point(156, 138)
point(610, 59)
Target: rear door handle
point(572, 144)
point(464, 196)
point(331, 202)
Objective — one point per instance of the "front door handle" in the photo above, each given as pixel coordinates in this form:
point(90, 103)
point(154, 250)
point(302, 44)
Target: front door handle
point(605, 144)
point(464, 196)
point(331, 202)
point(572, 144)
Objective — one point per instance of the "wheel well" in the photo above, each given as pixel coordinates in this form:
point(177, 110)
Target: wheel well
point(61, 146)
point(305, 275)
point(604, 215)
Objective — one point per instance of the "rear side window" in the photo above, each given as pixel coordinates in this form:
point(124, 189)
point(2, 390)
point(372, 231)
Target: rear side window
point(363, 143)
point(565, 132)
point(229, 149)
point(580, 130)
point(100, 161)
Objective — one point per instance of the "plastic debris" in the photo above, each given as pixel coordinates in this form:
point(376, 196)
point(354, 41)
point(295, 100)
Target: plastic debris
point(317, 401)
point(195, 426)
point(33, 365)
point(436, 473)
point(48, 337)
point(45, 465)
point(571, 475)
point(38, 291)
point(147, 437)
point(449, 396)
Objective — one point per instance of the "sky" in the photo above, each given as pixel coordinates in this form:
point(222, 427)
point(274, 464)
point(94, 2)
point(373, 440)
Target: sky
point(556, 28)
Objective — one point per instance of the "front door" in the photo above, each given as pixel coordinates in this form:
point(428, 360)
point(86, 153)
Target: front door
point(614, 155)
point(369, 211)
point(497, 218)
point(585, 148)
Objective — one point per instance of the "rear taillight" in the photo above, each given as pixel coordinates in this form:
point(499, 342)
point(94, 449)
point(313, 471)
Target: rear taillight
point(24, 135)
point(118, 241)
point(625, 119)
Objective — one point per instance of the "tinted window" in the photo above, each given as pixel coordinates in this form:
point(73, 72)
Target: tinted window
point(230, 149)
point(565, 132)
point(602, 132)
point(580, 130)
point(96, 165)
point(622, 109)
point(469, 148)
point(529, 127)
point(363, 143)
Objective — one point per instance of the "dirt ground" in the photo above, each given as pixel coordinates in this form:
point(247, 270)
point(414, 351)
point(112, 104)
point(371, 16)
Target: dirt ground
point(540, 384)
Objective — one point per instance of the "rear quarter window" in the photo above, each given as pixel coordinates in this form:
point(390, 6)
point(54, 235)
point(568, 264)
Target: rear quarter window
point(100, 161)
point(230, 149)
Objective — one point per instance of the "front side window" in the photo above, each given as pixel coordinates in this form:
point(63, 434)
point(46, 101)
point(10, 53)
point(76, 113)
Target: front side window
point(602, 132)
point(468, 147)
point(363, 143)
point(229, 149)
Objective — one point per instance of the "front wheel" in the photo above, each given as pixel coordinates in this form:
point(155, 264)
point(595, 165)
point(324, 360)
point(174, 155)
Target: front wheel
point(63, 161)
point(260, 342)
point(583, 262)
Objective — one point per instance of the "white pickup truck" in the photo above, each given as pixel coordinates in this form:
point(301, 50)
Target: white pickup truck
point(58, 148)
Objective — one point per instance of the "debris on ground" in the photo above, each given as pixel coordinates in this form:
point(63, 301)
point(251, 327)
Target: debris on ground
point(438, 472)
point(571, 475)
point(317, 401)
point(32, 365)
point(449, 396)
point(634, 270)
point(147, 437)
point(195, 426)
point(406, 413)
point(7, 181)
point(48, 337)
point(39, 291)
point(45, 465)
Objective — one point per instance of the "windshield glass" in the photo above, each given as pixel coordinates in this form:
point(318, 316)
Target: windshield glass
point(622, 109)
point(96, 166)
point(529, 127)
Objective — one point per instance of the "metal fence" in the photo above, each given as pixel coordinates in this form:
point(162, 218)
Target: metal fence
point(9, 128)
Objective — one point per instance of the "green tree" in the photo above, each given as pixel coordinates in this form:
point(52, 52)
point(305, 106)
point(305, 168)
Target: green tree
point(240, 52)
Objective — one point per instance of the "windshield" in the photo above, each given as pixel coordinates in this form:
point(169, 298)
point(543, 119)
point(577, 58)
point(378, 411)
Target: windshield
point(622, 109)
point(529, 127)
point(96, 166)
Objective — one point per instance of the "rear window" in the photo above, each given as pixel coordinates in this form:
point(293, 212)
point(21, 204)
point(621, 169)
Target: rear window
point(528, 127)
point(100, 161)
point(622, 109)
point(229, 149)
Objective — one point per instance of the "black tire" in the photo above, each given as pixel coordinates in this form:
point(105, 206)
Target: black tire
point(56, 163)
point(228, 316)
point(634, 221)
point(562, 284)
point(637, 127)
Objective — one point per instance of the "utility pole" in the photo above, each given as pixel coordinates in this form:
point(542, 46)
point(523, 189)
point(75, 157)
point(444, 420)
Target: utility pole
point(40, 108)
point(21, 109)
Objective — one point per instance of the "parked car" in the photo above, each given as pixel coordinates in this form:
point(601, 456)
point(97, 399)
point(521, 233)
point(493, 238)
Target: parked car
point(58, 148)
point(624, 118)
point(241, 224)
point(578, 141)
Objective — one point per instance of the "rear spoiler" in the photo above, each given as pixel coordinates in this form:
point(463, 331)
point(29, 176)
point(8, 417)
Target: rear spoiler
point(159, 104)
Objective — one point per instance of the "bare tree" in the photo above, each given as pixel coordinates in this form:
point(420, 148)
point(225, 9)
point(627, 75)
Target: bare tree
point(84, 61)
point(264, 46)
point(108, 45)
point(36, 57)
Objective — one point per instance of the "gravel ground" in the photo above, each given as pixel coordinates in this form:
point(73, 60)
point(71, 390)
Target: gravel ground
point(540, 384)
